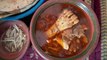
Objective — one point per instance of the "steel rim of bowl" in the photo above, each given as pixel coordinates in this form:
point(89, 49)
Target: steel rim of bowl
point(29, 6)
point(82, 6)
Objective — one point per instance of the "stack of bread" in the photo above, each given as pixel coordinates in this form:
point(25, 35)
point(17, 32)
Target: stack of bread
point(10, 7)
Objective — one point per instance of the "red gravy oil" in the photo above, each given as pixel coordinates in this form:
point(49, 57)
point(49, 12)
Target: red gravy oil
point(48, 18)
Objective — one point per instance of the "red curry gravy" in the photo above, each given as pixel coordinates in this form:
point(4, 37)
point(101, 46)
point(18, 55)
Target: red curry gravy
point(52, 47)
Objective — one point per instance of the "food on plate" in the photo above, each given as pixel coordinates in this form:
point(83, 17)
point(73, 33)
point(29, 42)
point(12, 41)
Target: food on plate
point(65, 20)
point(13, 39)
point(62, 33)
point(13, 6)
point(67, 43)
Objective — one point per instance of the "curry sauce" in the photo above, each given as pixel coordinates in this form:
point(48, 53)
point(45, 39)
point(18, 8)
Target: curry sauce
point(55, 34)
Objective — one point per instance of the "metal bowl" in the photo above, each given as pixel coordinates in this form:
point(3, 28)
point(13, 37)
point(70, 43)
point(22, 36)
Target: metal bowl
point(4, 25)
point(89, 15)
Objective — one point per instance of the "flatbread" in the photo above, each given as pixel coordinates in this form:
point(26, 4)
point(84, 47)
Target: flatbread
point(9, 7)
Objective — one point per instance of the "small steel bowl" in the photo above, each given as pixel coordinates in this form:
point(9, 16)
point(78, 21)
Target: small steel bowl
point(4, 25)
point(89, 15)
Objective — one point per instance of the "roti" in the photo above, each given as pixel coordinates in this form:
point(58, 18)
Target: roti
point(8, 7)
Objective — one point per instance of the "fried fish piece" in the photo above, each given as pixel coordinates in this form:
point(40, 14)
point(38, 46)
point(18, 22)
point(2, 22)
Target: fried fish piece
point(66, 19)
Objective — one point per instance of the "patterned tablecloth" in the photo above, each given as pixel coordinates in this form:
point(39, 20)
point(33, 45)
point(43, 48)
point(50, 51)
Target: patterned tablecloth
point(31, 54)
